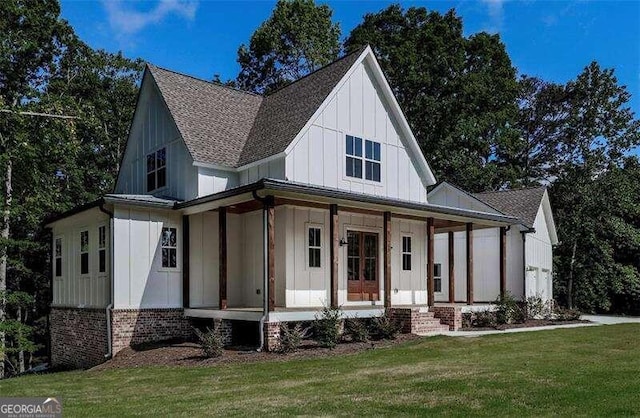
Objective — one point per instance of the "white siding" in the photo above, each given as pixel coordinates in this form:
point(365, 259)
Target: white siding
point(211, 181)
point(140, 281)
point(359, 109)
point(446, 195)
point(409, 287)
point(152, 129)
point(71, 288)
point(273, 169)
point(539, 259)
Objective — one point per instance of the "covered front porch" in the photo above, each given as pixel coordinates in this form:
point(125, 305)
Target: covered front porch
point(277, 251)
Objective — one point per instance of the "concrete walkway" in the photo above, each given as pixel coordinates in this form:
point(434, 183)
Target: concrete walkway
point(596, 320)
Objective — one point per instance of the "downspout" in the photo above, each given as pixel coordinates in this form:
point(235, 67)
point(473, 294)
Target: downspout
point(265, 266)
point(111, 262)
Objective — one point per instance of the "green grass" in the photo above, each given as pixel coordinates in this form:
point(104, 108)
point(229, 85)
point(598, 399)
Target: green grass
point(592, 371)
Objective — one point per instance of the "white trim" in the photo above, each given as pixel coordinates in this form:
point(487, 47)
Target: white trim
point(308, 226)
point(404, 235)
point(55, 257)
point(363, 179)
point(548, 215)
point(88, 252)
point(104, 273)
point(177, 248)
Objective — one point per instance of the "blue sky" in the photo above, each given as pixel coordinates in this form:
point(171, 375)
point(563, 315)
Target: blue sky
point(550, 39)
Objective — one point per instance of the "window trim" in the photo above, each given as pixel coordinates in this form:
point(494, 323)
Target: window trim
point(362, 158)
point(308, 226)
point(177, 248)
point(104, 248)
point(156, 169)
point(87, 252)
point(56, 257)
point(404, 253)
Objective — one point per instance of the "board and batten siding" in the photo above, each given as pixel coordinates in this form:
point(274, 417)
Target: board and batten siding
point(73, 289)
point(539, 259)
point(152, 129)
point(140, 281)
point(359, 109)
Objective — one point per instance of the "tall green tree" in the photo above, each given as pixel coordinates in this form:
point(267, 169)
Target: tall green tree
point(298, 38)
point(459, 93)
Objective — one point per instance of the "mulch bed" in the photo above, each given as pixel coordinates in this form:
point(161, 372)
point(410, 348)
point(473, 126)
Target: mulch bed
point(190, 354)
point(527, 324)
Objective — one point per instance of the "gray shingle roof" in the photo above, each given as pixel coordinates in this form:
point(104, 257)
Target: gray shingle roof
point(521, 203)
point(229, 127)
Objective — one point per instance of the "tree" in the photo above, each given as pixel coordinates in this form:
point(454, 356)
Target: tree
point(458, 93)
point(298, 38)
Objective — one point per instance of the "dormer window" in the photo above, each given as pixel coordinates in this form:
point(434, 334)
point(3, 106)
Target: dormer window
point(356, 159)
point(157, 170)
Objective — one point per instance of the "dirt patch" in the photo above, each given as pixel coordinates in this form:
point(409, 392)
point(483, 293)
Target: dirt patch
point(190, 354)
point(527, 324)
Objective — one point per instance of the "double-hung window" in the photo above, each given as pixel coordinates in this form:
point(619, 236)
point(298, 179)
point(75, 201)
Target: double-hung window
point(169, 247)
point(102, 249)
point(84, 252)
point(406, 253)
point(437, 278)
point(315, 246)
point(157, 170)
point(58, 257)
point(361, 164)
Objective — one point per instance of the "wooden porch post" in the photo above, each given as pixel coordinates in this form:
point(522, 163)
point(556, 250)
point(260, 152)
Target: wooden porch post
point(335, 251)
point(222, 258)
point(452, 269)
point(469, 264)
point(185, 261)
point(503, 261)
point(430, 261)
point(271, 256)
point(387, 259)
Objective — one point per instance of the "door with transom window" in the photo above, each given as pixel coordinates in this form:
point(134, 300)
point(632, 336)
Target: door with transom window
point(362, 266)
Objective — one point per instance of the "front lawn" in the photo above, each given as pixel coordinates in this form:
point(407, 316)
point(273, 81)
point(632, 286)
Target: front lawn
point(591, 371)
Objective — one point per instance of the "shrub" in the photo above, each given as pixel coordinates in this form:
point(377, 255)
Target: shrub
point(537, 308)
point(467, 320)
point(210, 341)
point(484, 319)
point(386, 327)
point(327, 326)
point(291, 337)
point(357, 329)
point(564, 314)
point(508, 310)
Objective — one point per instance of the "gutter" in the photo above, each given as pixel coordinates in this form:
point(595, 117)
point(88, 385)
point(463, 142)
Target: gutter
point(109, 307)
point(266, 201)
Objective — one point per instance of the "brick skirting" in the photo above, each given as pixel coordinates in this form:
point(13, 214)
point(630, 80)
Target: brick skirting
point(449, 315)
point(137, 326)
point(416, 320)
point(78, 337)
point(271, 336)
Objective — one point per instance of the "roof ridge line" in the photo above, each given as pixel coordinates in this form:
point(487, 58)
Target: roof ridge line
point(213, 83)
point(513, 190)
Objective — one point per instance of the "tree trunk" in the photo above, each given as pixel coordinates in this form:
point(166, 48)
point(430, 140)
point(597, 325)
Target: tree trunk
point(19, 338)
point(570, 280)
point(4, 234)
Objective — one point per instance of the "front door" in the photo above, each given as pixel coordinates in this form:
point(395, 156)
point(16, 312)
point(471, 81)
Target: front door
point(362, 266)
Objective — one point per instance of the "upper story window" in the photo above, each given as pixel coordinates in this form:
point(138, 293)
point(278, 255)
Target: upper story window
point(84, 252)
point(102, 249)
point(58, 257)
point(169, 247)
point(157, 170)
point(356, 159)
point(406, 253)
point(315, 246)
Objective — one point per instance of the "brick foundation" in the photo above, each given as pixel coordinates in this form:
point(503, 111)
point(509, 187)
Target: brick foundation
point(78, 337)
point(137, 326)
point(271, 336)
point(416, 320)
point(449, 315)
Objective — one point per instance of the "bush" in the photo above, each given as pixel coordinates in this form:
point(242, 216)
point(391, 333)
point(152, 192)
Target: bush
point(210, 341)
point(357, 329)
point(484, 319)
point(508, 310)
point(291, 337)
point(537, 308)
point(467, 320)
point(385, 327)
point(327, 326)
point(564, 314)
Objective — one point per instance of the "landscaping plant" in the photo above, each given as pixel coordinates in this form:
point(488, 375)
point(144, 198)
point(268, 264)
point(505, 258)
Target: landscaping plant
point(357, 329)
point(327, 326)
point(291, 337)
point(210, 341)
point(386, 327)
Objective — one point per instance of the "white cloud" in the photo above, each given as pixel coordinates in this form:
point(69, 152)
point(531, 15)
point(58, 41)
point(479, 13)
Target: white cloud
point(495, 8)
point(124, 19)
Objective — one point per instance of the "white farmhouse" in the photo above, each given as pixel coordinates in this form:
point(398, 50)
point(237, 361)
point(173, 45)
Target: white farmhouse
point(257, 210)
